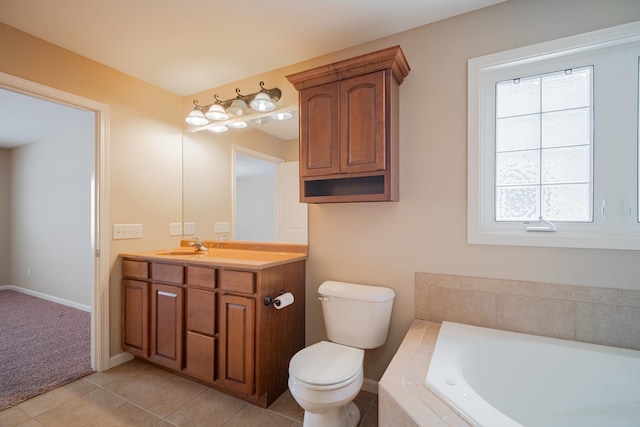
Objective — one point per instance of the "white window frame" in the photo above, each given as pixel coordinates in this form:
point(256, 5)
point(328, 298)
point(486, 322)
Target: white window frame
point(559, 54)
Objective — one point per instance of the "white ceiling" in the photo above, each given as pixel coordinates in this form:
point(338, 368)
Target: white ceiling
point(189, 46)
point(25, 119)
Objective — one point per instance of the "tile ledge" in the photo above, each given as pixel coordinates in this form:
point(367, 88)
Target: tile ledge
point(393, 380)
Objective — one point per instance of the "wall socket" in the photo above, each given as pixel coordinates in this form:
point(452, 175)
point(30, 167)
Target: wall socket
point(175, 229)
point(127, 231)
point(189, 228)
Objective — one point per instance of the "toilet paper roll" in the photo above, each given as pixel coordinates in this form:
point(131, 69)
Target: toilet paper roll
point(283, 300)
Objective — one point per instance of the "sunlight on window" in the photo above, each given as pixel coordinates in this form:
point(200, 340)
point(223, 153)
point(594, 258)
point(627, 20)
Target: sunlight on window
point(543, 152)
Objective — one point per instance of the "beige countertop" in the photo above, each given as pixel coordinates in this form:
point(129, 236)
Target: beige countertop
point(229, 254)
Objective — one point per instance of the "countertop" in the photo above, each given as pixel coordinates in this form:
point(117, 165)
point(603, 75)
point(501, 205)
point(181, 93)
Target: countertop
point(254, 256)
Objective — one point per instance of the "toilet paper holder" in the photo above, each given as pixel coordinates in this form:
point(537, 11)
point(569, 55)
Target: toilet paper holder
point(276, 302)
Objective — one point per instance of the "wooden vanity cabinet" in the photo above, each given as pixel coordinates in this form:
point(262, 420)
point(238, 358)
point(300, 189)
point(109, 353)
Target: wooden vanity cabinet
point(167, 305)
point(135, 315)
point(200, 331)
point(349, 128)
point(211, 323)
point(166, 325)
point(237, 337)
point(134, 303)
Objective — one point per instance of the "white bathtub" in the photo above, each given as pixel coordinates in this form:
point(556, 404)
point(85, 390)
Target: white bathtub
point(496, 378)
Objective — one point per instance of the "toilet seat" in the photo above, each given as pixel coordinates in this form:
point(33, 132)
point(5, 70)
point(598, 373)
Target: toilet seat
point(326, 365)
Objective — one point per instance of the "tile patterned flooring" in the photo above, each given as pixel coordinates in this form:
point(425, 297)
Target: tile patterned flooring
point(137, 394)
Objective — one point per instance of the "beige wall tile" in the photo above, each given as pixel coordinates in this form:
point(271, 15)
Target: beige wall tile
point(440, 280)
point(422, 298)
point(578, 293)
point(608, 325)
point(455, 305)
point(538, 316)
point(390, 414)
point(631, 298)
point(496, 285)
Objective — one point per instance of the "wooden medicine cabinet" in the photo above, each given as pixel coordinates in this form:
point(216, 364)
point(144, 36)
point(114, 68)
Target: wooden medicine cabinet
point(349, 128)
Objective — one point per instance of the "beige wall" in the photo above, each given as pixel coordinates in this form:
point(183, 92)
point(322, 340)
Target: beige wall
point(379, 243)
point(50, 238)
point(386, 243)
point(144, 136)
point(5, 157)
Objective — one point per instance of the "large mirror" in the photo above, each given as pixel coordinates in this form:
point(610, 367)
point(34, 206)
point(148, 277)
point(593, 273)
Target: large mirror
point(243, 184)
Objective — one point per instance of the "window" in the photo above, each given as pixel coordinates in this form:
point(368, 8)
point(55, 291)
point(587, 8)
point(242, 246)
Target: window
point(553, 143)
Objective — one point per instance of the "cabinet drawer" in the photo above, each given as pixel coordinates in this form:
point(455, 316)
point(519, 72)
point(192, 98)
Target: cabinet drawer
point(137, 269)
point(200, 357)
point(238, 281)
point(167, 273)
point(201, 276)
point(201, 311)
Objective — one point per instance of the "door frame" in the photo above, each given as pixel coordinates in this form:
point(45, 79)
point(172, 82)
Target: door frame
point(100, 207)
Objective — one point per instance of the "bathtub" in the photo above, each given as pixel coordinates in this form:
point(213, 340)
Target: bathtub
point(495, 378)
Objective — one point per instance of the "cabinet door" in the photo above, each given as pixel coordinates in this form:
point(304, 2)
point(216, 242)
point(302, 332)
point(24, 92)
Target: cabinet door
point(362, 124)
point(166, 325)
point(135, 317)
point(237, 337)
point(319, 135)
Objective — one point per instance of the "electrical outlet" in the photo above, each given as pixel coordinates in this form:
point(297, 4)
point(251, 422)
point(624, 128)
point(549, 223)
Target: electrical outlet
point(175, 229)
point(127, 231)
point(189, 228)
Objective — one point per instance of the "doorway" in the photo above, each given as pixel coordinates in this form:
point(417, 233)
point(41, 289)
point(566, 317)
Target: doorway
point(254, 195)
point(97, 209)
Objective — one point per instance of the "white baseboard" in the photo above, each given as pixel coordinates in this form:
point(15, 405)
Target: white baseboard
point(119, 359)
point(40, 295)
point(370, 385)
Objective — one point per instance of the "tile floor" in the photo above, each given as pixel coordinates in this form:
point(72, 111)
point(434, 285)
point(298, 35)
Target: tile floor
point(138, 394)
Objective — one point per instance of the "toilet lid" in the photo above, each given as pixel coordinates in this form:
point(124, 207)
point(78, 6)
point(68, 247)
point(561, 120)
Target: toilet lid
point(326, 363)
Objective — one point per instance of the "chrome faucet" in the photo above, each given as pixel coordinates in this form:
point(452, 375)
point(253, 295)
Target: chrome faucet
point(199, 245)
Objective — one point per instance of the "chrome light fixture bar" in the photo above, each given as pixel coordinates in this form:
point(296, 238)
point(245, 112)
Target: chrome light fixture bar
point(262, 101)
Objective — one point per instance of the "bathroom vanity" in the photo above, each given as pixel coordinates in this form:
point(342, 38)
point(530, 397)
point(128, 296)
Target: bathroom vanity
point(204, 315)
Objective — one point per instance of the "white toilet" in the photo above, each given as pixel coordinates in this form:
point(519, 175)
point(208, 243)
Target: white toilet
point(324, 378)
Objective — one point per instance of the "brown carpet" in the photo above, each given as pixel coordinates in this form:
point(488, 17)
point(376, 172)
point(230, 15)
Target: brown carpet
point(43, 345)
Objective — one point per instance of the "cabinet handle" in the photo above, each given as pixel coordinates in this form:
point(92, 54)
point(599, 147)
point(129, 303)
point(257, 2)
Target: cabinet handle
point(167, 294)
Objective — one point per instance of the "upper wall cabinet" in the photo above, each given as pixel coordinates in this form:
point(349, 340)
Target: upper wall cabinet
point(349, 128)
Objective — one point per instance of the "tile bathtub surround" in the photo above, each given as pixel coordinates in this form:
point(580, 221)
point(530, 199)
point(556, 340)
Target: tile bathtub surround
point(595, 315)
point(138, 394)
point(403, 399)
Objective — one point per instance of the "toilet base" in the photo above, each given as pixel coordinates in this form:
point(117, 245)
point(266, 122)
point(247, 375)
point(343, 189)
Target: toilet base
point(342, 416)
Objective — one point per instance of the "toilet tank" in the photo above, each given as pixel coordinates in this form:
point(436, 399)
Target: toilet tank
point(356, 315)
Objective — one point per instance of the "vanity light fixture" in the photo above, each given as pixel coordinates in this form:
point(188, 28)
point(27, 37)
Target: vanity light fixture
point(216, 111)
point(262, 101)
point(238, 106)
point(218, 128)
point(196, 116)
point(282, 115)
point(238, 125)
